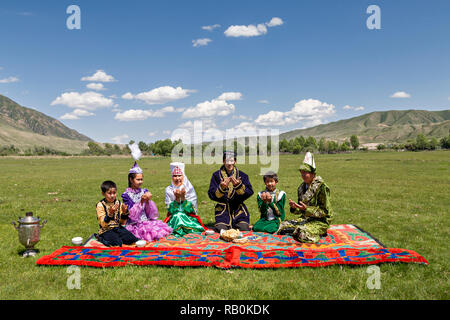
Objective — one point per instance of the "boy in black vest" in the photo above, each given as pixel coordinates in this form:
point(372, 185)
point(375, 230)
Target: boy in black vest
point(112, 215)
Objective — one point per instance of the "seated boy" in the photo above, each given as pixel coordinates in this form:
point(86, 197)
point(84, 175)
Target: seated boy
point(112, 215)
point(271, 205)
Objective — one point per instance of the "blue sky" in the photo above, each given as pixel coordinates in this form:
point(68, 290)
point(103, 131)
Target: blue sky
point(305, 63)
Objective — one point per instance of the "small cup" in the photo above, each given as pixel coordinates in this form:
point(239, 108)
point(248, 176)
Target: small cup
point(209, 232)
point(140, 243)
point(77, 241)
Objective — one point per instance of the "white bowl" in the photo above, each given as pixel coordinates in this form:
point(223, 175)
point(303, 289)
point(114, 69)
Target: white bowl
point(140, 243)
point(77, 241)
point(209, 232)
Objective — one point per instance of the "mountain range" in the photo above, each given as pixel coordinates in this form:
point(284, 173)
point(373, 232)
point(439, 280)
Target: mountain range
point(381, 126)
point(26, 128)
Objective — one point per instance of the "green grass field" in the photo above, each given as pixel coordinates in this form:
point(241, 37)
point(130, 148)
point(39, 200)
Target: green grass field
point(400, 198)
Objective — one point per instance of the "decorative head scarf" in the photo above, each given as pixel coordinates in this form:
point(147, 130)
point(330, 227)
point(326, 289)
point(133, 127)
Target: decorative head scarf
point(136, 154)
point(177, 168)
point(308, 164)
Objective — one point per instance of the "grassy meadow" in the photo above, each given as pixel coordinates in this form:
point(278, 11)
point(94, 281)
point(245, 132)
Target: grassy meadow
point(401, 198)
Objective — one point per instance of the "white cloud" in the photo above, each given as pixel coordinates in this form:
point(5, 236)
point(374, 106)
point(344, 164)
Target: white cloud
point(211, 28)
point(251, 30)
point(246, 31)
point(244, 129)
point(230, 96)
point(205, 123)
point(347, 107)
point(401, 94)
point(272, 118)
point(211, 108)
point(128, 96)
point(308, 111)
point(275, 22)
point(159, 95)
point(122, 139)
point(152, 133)
point(241, 117)
point(201, 42)
point(76, 114)
point(69, 116)
point(99, 76)
point(95, 86)
point(9, 80)
point(138, 114)
point(88, 100)
point(263, 101)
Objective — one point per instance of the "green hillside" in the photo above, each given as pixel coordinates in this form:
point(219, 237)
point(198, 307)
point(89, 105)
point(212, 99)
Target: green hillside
point(22, 118)
point(387, 126)
point(25, 128)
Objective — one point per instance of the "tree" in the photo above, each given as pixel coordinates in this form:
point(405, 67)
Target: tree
point(345, 146)
point(116, 149)
point(297, 149)
point(142, 146)
point(433, 143)
point(332, 146)
point(445, 142)
point(311, 143)
point(381, 146)
point(94, 148)
point(322, 145)
point(284, 145)
point(354, 141)
point(421, 142)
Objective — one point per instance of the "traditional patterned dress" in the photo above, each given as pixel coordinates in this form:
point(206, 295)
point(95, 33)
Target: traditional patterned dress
point(143, 218)
point(182, 218)
point(272, 214)
point(111, 232)
point(315, 220)
point(230, 210)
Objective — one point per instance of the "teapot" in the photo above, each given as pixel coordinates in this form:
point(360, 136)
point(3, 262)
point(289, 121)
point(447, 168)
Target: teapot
point(29, 230)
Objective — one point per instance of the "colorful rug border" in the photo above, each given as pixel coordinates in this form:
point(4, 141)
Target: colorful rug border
point(232, 257)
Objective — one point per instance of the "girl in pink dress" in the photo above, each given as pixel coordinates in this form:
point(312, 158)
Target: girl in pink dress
point(143, 214)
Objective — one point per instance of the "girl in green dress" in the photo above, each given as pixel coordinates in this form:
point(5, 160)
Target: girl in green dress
point(271, 205)
point(181, 203)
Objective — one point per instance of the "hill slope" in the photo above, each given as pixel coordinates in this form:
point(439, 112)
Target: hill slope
point(22, 118)
point(25, 128)
point(387, 126)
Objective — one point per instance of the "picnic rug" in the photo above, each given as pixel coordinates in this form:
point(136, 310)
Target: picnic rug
point(344, 244)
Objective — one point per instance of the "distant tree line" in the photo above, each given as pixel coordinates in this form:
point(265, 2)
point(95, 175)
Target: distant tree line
point(295, 146)
point(36, 151)
point(302, 144)
point(419, 144)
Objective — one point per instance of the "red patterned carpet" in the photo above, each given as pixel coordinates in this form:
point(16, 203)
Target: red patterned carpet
point(344, 244)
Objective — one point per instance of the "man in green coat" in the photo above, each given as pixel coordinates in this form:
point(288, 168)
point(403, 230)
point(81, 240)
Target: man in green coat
point(313, 206)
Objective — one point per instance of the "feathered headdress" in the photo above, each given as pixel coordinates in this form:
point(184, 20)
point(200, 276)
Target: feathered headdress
point(136, 154)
